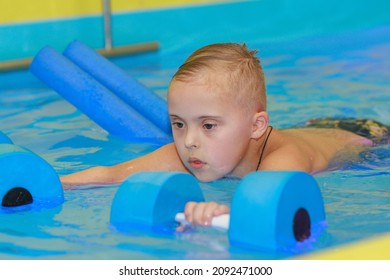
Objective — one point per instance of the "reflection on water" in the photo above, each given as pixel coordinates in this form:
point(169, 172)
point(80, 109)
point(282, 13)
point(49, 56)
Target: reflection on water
point(311, 78)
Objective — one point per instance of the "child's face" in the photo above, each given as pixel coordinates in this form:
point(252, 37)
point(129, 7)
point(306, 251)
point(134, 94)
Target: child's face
point(211, 133)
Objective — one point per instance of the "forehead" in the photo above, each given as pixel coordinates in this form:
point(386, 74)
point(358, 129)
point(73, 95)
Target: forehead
point(215, 82)
point(199, 91)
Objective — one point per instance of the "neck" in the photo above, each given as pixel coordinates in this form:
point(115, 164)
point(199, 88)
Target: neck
point(264, 145)
point(251, 160)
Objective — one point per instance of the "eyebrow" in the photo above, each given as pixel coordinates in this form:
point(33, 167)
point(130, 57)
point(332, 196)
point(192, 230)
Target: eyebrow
point(200, 117)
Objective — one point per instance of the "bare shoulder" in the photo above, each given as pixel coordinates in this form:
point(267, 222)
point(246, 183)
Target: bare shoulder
point(300, 149)
point(288, 156)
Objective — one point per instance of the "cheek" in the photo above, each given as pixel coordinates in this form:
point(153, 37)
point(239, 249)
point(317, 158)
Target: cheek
point(228, 151)
point(235, 145)
point(179, 143)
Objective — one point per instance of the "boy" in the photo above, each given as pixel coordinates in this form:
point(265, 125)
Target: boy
point(217, 107)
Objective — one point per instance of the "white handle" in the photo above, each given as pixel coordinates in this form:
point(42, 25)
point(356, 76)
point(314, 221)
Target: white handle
point(221, 221)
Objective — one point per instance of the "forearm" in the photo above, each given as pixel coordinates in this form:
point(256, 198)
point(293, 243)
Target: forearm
point(94, 175)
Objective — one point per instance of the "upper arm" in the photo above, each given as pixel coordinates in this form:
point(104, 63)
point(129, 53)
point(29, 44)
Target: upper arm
point(162, 159)
point(165, 158)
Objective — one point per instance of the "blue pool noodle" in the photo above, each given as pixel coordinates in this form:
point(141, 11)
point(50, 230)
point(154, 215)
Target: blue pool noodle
point(93, 99)
point(140, 98)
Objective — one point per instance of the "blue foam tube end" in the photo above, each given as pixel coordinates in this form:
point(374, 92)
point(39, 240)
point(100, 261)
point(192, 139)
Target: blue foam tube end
point(20, 168)
point(93, 99)
point(284, 206)
point(142, 99)
point(150, 200)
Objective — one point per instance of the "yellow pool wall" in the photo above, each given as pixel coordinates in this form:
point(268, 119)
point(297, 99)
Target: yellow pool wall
point(375, 248)
point(16, 11)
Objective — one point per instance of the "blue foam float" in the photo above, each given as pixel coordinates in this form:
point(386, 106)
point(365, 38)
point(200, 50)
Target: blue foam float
point(94, 99)
point(270, 210)
point(284, 206)
point(27, 180)
point(150, 200)
point(139, 97)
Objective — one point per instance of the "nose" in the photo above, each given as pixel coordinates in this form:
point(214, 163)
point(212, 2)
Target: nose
point(191, 140)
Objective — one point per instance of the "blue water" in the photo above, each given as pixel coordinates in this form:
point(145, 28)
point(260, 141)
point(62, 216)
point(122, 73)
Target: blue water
point(340, 75)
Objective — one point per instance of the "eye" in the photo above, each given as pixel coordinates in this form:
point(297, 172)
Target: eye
point(209, 126)
point(178, 124)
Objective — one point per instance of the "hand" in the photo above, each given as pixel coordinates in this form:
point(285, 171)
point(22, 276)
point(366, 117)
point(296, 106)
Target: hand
point(201, 214)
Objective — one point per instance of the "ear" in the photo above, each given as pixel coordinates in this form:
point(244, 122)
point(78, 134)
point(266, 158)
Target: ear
point(259, 124)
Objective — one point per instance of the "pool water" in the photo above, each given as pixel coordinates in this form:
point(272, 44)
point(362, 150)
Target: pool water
point(340, 75)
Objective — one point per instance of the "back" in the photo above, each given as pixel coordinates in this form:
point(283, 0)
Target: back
point(311, 149)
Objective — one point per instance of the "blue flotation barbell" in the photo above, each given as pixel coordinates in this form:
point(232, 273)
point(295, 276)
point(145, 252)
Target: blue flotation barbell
point(26, 178)
point(269, 210)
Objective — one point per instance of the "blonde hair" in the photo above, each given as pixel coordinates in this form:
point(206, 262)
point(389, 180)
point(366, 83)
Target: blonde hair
point(242, 70)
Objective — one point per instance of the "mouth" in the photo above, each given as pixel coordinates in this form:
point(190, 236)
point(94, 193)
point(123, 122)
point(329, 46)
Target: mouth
point(196, 163)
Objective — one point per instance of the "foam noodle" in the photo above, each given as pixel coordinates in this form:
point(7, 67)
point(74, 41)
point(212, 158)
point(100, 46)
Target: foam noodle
point(4, 139)
point(274, 201)
point(20, 168)
point(93, 99)
point(140, 98)
point(150, 200)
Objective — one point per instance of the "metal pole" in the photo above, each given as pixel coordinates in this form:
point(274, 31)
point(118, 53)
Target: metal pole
point(107, 24)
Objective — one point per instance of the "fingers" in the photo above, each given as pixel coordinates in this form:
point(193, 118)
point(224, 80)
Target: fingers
point(202, 213)
point(199, 213)
point(221, 209)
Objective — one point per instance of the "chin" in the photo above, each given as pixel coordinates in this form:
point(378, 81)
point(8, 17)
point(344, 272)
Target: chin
point(206, 177)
